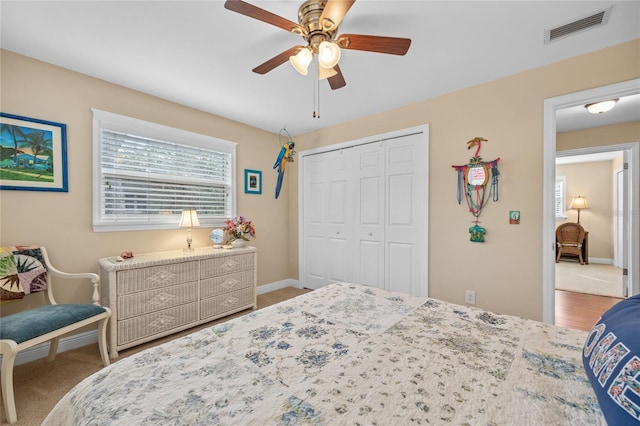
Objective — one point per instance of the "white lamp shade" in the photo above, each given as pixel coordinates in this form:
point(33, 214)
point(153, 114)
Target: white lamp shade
point(600, 107)
point(301, 60)
point(328, 54)
point(189, 219)
point(325, 72)
point(578, 203)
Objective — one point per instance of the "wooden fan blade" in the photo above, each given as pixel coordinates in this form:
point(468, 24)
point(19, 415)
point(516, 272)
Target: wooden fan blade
point(255, 12)
point(334, 12)
point(276, 60)
point(337, 81)
point(370, 43)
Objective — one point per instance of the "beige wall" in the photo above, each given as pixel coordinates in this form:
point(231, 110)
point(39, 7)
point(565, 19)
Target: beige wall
point(599, 136)
point(505, 271)
point(593, 180)
point(62, 221)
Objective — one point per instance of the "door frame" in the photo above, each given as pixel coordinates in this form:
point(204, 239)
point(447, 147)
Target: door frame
point(618, 239)
point(424, 129)
point(551, 105)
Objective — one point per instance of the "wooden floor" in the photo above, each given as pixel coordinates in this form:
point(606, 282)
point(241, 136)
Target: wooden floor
point(580, 311)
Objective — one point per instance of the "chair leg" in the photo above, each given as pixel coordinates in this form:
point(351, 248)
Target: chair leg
point(53, 349)
point(102, 341)
point(9, 350)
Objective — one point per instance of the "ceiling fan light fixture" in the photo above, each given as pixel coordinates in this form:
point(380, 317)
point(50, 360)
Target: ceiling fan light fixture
point(328, 54)
point(325, 72)
point(601, 107)
point(301, 60)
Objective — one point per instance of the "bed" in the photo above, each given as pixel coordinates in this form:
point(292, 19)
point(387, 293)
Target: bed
point(348, 354)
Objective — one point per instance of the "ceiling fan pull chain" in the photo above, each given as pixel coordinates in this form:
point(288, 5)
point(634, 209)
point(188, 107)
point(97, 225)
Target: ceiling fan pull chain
point(316, 91)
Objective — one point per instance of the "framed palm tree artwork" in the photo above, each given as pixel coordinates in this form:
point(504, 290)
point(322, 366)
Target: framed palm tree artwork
point(33, 154)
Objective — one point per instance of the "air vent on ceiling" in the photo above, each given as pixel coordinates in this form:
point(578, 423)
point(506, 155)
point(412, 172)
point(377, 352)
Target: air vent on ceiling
point(592, 20)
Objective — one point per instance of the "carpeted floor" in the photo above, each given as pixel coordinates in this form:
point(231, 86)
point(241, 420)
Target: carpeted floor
point(598, 279)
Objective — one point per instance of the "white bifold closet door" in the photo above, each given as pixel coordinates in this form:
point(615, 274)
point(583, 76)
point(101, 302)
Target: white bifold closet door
point(365, 215)
point(328, 226)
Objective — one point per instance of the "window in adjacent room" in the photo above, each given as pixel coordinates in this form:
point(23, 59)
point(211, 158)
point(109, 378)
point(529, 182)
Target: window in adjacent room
point(145, 174)
point(561, 185)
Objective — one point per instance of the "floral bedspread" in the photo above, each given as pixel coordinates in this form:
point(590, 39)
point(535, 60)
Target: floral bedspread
point(348, 354)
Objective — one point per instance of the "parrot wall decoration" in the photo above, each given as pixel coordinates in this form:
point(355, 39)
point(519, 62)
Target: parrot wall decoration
point(284, 156)
point(473, 180)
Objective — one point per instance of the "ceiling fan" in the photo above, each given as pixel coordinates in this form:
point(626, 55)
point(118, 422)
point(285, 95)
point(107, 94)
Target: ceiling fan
point(318, 25)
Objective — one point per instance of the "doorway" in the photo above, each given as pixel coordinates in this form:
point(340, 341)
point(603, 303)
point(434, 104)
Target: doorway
point(551, 106)
point(594, 174)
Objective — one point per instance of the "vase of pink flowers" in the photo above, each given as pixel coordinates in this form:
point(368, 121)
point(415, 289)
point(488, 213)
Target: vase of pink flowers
point(240, 230)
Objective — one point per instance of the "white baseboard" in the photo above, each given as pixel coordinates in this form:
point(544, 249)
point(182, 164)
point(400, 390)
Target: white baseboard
point(266, 288)
point(91, 337)
point(601, 260)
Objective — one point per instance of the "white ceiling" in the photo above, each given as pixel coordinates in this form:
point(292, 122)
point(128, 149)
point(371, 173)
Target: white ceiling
point(199, 54)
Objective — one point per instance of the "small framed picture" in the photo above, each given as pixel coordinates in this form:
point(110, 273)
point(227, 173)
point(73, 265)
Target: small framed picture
point(252, 181)
point(514, 217)
point(33, 154)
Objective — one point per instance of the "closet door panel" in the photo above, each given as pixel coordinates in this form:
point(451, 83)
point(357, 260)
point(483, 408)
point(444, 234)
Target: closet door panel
point(339, 252)
point(328, 223)
point(369, 211)
point(401, 268)
point(314, 264)
point(401, 189)
point(405, 230)
point(315, 235)
point(371, 265)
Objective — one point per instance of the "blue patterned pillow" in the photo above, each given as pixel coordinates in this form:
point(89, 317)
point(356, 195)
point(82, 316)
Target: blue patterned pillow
point(611, 358)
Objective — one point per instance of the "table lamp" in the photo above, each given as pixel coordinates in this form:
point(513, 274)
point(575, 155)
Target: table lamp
point(578, 203)
point(189, 220)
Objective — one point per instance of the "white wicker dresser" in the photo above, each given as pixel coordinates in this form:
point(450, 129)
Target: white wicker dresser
point(156, 294)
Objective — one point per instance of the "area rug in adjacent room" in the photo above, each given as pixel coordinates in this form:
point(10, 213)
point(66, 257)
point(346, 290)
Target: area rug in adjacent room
point(598, 279)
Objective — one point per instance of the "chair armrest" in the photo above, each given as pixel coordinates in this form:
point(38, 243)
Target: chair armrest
point(95, 278)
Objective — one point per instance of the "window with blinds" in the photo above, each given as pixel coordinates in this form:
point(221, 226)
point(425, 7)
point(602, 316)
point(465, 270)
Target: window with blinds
point(145, 174)
point(561, 184)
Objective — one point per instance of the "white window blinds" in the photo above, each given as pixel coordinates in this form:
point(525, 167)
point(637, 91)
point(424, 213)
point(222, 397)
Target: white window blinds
point(145, 182)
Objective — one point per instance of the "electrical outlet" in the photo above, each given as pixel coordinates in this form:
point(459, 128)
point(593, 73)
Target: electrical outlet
point(470, 297)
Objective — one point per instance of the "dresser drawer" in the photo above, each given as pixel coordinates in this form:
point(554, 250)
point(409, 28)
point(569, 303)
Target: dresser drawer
point(152, 277)
point(225, 283)
point(155, 323)
point(226, 265)
point(135, 304)
point(218, 305)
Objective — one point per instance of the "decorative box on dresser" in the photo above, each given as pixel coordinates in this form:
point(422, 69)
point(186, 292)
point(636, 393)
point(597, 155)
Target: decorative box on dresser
point(156, 294)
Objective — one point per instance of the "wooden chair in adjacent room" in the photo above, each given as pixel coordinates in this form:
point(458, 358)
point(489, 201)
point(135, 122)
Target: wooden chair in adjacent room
point(569, 238)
